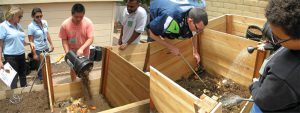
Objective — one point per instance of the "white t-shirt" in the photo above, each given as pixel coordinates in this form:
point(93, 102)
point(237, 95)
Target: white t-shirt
point(133, 22)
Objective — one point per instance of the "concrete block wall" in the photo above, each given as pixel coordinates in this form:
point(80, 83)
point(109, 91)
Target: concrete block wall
point(253, 8)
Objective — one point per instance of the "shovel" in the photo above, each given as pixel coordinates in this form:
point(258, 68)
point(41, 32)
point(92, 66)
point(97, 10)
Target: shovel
point(234, 100)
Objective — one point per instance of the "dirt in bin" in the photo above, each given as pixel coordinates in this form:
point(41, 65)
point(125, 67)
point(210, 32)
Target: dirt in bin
point(215, 86)
point(34, 102)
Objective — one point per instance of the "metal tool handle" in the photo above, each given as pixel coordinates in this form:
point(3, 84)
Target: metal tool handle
point(190, 66)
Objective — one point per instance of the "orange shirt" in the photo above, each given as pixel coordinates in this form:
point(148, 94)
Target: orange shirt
point(77, 34)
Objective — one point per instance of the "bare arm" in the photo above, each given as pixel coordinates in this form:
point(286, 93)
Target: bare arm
point(134, 36)
point(65, 45)
point(195, 48)
point(121, 35)
point(30, 38)
point(87, 43)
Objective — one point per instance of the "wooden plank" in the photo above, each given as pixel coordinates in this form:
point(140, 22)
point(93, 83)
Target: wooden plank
point(136, 107)
point(172, 66)
point(221, 28)
point(125, 83)
point(47, 78)
point(169, 97)
point(63, 91)
point(209, 104)
point(216, 22)
point(240, 34)
point(226, 55)
point(239, 28)
point(248, 20)
point(261, 55)
point(134, 53)
point(105, 59)
point(241, 23)
point(146, 63)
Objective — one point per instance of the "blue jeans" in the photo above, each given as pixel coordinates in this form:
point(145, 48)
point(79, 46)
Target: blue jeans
point(40, 76)
point(255, 109)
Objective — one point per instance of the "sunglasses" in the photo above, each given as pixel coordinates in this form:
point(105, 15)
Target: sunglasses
point(38, 16)
point(276, 41)
point(197, 30)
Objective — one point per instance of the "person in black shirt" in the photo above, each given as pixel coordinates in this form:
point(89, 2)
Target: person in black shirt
point(278, 88)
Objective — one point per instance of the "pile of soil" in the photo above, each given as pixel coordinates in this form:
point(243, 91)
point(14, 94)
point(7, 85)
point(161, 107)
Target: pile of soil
point(34, 102)
point(215, 86)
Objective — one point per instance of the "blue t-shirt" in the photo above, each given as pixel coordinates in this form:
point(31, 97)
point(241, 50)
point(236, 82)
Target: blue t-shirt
point(40, 34)
point(13, 38)
point(168, 17)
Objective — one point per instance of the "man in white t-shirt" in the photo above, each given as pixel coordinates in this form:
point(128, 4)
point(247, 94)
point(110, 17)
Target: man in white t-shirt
point(133, 23)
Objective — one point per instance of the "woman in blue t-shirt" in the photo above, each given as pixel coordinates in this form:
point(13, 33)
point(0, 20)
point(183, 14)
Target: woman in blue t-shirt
point(12, 42)
point(39, 35)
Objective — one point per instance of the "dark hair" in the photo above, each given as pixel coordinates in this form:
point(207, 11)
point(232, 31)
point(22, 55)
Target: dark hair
point(198, 15)
point(78, 8)
point(285, 14)
point(36, 10)
point(137, 1)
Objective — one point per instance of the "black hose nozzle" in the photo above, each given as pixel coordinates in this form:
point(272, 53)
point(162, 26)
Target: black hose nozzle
point(268, 46)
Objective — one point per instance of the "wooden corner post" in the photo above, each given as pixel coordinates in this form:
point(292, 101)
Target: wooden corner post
point(260, 57)
point(47, 77)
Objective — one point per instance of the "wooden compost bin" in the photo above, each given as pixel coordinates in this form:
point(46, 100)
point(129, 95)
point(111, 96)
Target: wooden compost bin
point(123, 82)
point(218, 51)
point(237, 25)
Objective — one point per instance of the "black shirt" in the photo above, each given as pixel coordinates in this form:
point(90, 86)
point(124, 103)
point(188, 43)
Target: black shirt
point(278, 88)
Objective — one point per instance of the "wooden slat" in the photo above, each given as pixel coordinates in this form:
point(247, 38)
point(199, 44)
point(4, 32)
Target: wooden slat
point(221, 27)
point(234, 24)
point(63, 91)
point(220, 51)
point(136, 107)
point(248, 20)
point(261, 55)
point(105, 59)
point(169, 97)
point(239, 28)
point(125, 83)
point(172, 66)
point(134, 53)
point(216, 22)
